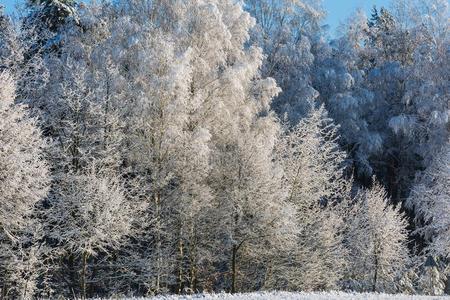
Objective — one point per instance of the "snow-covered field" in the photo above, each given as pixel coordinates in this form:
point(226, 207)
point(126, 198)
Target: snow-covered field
point(296, 296)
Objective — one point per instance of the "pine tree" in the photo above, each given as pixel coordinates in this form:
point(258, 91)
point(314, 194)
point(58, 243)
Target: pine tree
point(374, 17)
point(52, 14)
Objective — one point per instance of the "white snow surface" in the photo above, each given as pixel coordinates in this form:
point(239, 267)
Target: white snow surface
point(296, 296)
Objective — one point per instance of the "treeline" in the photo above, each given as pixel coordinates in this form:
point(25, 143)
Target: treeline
point(151, 147)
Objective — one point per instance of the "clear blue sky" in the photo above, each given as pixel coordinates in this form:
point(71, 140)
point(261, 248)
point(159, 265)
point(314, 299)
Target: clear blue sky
point(9, 4)
point(337, 10)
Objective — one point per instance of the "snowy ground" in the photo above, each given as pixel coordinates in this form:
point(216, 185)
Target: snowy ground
point(296, 296)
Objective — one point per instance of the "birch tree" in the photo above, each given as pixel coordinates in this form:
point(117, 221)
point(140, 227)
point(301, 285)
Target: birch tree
point(89, 216)
point(79, 114)
point(24, 182)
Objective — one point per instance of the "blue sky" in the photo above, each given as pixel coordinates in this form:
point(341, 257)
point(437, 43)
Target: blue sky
point(9, 4)
point(338, 10)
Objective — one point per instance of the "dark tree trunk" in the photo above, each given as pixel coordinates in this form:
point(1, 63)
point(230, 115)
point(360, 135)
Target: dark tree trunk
point(233, 269)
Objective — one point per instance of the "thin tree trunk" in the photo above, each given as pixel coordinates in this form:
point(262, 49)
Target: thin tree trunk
point(193, 276)
point(180, 263)
point(375, 275)
point(192, 261)
point(3, 290)
point(105, 119)
point(233, 269)
point(83, 275)
point(267, 274)
point(158, 243)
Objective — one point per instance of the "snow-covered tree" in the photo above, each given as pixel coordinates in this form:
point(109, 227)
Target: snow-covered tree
point(77, 109)
point(391, 107)
point(158, 122)
point(24, 181)
point(82, 121)
point(377, 239)
point(382, 29)
point(340, 80)
point(170, 173)
point(430, 200)
point(19, 60)
point(182, 105)
point(287, 31)
point(89, 215)
point(254, 218)
point(234, 104)
point(316, 187)
point(431, 280)
point(195, 205)
point(423, 119)
point(8, 42)
point(51, 14)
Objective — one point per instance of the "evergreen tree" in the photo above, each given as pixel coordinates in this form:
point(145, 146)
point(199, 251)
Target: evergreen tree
point(431, 280)
point(51, 14)
point(374, 17)
point(429, 199)
point(377, 240)
point(8, 42)
point(316, 187)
